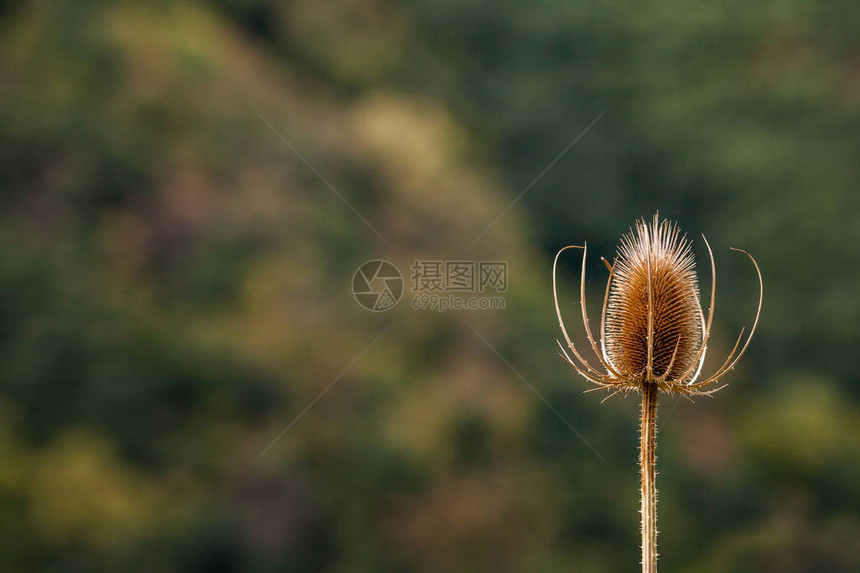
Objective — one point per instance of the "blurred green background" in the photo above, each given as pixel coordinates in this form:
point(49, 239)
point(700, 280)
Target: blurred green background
point(175, 283)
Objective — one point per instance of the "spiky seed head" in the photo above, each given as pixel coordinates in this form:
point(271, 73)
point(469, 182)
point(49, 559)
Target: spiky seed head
point(654, 303)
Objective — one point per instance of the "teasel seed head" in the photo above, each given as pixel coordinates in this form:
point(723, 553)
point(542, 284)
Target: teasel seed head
point(655, 291)
point(653, 329)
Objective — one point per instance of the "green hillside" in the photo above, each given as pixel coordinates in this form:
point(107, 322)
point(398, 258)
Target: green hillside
point(187, 189)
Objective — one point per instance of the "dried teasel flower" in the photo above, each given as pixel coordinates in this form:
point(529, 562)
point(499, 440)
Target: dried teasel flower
point(652, 327)
point(653, 337)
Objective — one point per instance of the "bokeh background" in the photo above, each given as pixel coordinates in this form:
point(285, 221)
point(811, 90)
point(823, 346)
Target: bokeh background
point(175, 283)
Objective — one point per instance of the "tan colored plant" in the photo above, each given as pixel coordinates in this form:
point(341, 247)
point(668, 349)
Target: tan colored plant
point(653, 337)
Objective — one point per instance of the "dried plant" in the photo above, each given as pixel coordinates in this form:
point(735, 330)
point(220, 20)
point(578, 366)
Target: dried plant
point(653, 337)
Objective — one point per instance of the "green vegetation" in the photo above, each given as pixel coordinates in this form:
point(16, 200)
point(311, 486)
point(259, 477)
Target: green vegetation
point(174, 283)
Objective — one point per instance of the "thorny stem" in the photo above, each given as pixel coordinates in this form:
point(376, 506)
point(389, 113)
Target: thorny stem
point(647, 466)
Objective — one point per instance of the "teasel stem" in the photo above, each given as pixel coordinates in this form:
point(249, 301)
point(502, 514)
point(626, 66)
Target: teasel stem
point(648, 469)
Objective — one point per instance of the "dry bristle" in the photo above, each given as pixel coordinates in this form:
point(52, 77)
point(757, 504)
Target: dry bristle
point(658, 255)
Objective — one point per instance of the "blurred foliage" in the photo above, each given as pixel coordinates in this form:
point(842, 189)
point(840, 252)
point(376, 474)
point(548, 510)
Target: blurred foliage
point(174, 282)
